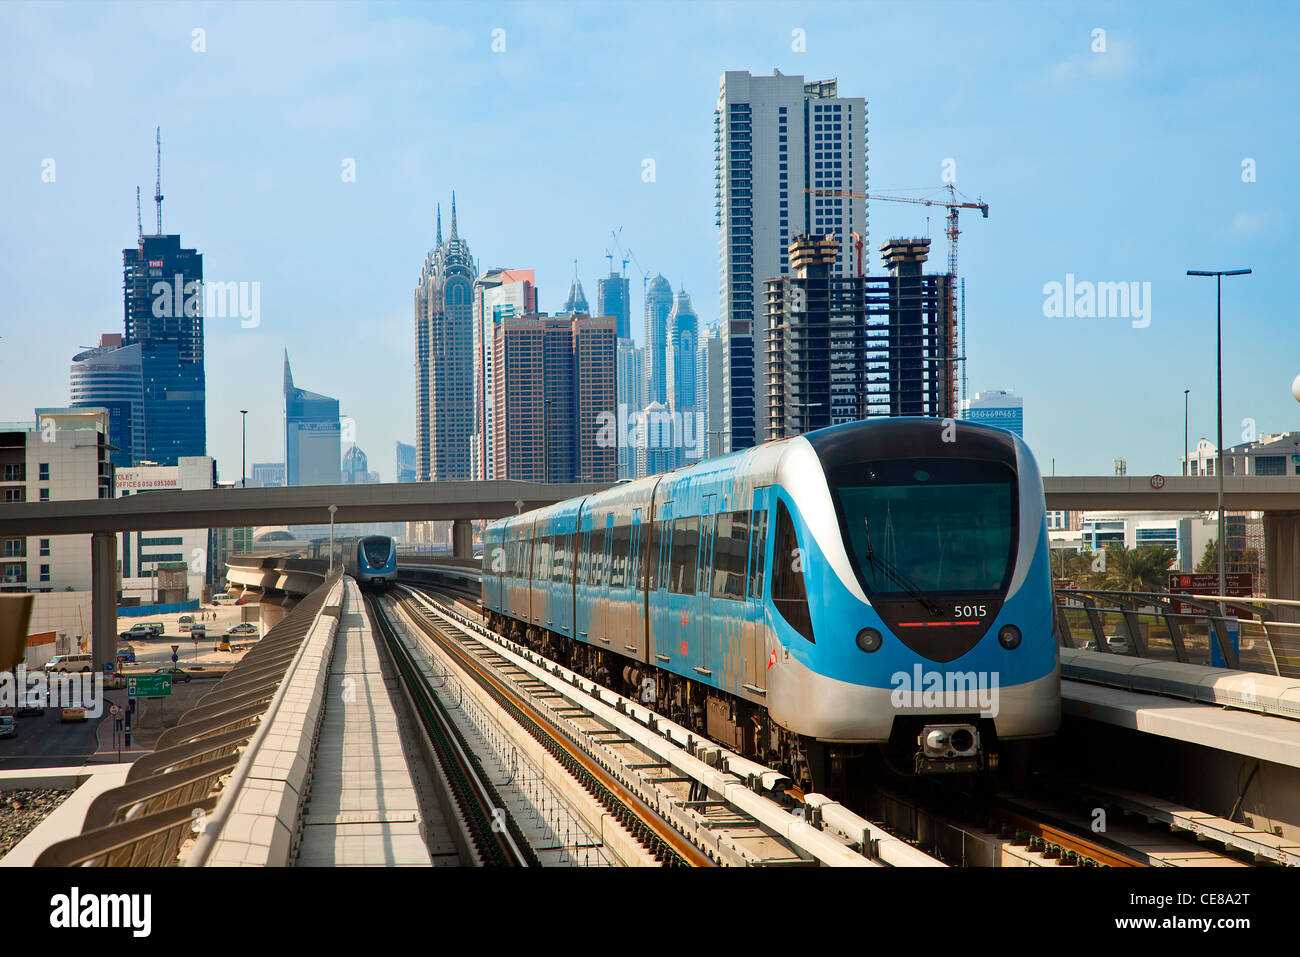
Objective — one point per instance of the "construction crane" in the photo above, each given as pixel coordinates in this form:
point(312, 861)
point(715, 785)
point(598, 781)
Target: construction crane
point(157, 184)
point(952, 231)
point(621, 253)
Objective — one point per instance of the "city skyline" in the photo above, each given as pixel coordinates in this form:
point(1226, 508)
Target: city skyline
point(1087, 169)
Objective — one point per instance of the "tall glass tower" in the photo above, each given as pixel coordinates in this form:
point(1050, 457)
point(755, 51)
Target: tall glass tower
point(111, 377)
point(658, 304)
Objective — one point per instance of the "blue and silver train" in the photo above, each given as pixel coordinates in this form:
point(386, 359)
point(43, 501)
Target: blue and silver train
point(882, 582)
point(375, 560)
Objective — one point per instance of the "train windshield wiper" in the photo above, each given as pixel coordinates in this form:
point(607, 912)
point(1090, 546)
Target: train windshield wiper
point(897, 576)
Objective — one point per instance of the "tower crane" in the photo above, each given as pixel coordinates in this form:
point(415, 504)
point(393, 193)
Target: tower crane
point(952, 204)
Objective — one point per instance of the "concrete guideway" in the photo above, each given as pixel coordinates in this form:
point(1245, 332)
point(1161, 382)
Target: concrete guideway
point(324, 775)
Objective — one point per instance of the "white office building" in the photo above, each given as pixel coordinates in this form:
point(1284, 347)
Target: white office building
point(996, 407)
point(774, 138)
point(141, 555)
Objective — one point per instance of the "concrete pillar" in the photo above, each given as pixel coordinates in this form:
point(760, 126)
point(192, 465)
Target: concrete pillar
point(1282, 559)
point(103, 596)
point(270, 614)
point(462, 539)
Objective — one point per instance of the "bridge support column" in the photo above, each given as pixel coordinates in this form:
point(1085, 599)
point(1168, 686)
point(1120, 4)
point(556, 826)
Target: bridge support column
point(103, 597)
point(462, 539)
point(1282, 559)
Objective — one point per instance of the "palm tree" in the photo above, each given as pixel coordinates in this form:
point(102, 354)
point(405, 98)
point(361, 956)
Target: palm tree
point(1143, 568)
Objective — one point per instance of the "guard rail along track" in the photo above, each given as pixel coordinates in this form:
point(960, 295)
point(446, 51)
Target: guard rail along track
point(689, 800)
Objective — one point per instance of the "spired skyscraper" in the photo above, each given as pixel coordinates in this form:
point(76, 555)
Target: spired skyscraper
point(658, 304)
point(444, 359)
point(163, 306)
point(776, 136)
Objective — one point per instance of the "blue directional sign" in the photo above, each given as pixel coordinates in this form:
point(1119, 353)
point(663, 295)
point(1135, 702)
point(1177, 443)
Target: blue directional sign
point(108, 666)
point(130, 687)
point(174, 659)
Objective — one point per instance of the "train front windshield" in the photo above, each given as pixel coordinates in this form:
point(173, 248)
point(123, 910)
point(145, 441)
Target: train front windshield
point(930, 526)
point(376, 550)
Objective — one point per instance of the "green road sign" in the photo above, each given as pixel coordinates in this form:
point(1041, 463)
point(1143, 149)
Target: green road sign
point(151, 686)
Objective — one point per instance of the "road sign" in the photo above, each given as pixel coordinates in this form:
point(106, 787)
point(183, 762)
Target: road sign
point(114, 710)
point(108, 666)
point(174, 659)
point(130, 687)
point(152, 686)
point(1237, 585)
point(175, 648)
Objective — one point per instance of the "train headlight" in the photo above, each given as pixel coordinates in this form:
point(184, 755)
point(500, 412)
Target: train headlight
point(1009, 637)
point(869, 640)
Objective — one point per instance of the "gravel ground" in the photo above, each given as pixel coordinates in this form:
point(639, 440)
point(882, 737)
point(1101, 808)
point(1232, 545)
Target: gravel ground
point(21, 811)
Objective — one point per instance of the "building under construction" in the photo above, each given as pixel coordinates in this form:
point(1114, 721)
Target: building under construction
point(842, 348)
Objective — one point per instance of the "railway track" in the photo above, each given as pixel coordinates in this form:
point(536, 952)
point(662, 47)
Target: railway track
point(687, 800)
point(495, 838)
point(656, 835)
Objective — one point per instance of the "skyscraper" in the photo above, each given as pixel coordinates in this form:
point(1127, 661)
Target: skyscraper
point(355, 466)
point(614, 298)
point(576, 304)
point(111, 377)
point(841, 348)
point(708, 389)
point(555, 378)
point(630, 386)
point(775, 137)
point(405, 462)
point(498, 294)
point(658, 304)
point(683, 342)
point(312, 437)
point(444, 363)
point(163, 307)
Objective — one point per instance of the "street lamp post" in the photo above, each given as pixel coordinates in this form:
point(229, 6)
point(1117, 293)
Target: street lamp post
point(333, 509)
point(1218, 332)
point(243, 457)
point(1186, 464)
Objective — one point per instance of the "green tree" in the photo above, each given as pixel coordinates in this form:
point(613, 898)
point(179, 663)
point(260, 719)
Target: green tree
point(1143, 568)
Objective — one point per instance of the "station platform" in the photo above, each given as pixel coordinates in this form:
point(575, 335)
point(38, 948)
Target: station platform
point(1240, 712)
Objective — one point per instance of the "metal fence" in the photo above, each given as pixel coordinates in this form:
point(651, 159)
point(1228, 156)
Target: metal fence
point(1193, 629)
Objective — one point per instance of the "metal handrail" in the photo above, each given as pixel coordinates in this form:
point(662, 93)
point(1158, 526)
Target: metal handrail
point(1212, 609)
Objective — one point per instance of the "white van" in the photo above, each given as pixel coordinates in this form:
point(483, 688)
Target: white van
point(66, 663)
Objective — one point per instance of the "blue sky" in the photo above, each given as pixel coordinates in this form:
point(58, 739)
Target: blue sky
point(1115, 166)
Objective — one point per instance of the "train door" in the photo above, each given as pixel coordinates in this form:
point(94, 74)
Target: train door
point(604, 615)
point(702, 630)
point(634, 636)
point(754, 629)
point(581, 578)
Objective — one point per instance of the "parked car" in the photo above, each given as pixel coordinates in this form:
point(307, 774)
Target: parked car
point(241, 601)
point(126, 655)
point(142, 631)
point(176, 673)
point(8, 727)
point(1118, 644)
point(243, 628)
point(184, 620)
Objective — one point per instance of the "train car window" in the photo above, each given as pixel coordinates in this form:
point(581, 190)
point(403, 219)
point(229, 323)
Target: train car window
point(730, 554)
point(789, 593)
point(598, 558)
point(618, 555)
point(558, 556)
point(582, 546)
point(634, 557)
point(652, 556)
point(706, 542)
point(571, 566)
point(758, 554)
point(685, 555)
point(542, 559)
